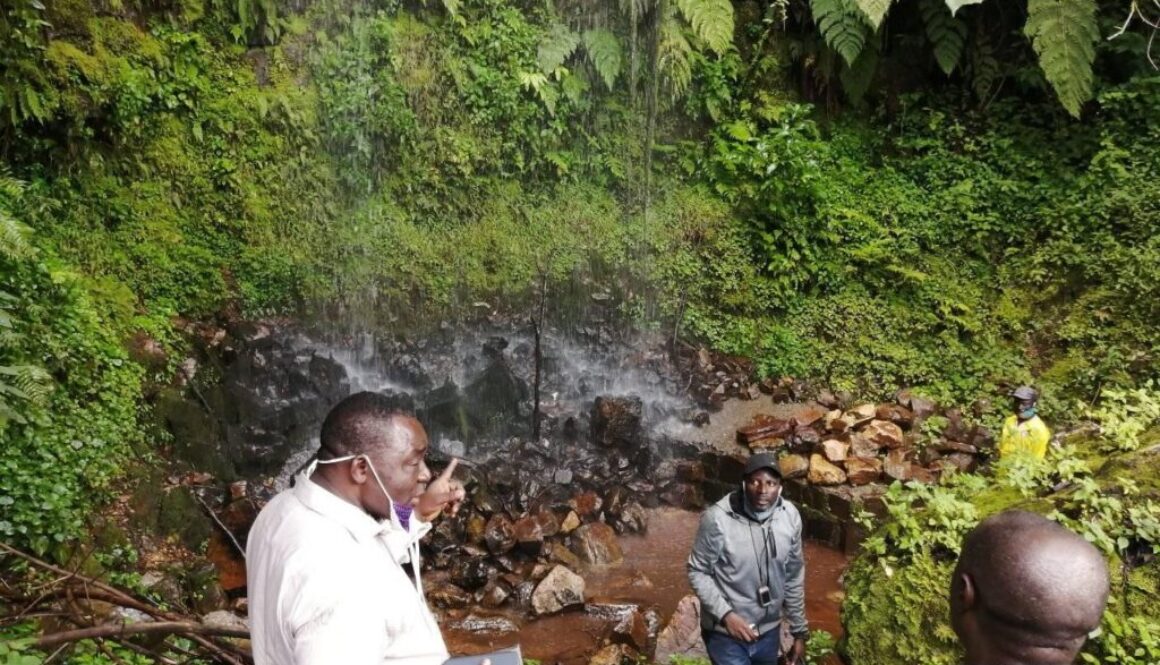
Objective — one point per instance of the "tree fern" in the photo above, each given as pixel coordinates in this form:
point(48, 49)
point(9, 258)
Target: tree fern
point(842, 25)
point(604, 53)
point(955, 5)
point(674, 56)
point(946, 33)
point(1063, 34)
point(557, 45)
point(875, 10)
point(856, 78)
point(985, 68)
point(712, 21)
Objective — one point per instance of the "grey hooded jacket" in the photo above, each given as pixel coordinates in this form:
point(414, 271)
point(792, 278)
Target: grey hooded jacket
point(724, 565)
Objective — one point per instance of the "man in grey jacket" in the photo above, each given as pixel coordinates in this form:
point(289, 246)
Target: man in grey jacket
point(747, 569)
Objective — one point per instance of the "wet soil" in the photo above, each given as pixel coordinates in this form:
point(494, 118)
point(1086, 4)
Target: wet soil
point(652, 575)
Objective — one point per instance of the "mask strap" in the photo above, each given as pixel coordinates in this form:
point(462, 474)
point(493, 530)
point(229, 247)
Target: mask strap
point(314, 465)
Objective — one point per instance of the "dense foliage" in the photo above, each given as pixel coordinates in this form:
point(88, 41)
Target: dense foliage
point(897, 589)
point(865, 192)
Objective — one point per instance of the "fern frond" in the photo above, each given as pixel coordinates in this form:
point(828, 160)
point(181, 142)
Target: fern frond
point(10, 188)
point(1063, 34)
point(452, 7)
point(842, 25)
point(875, 10)
point(674, 57)
point(985, 68)
point(604, 53)
point(947, 34)
point(712, 21)
point(956, 5)
point(856, 78)
point(557, 45)
point(14, 242)
point(33, 382)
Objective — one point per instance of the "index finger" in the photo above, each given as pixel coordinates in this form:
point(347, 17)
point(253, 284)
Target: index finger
point(446, 475)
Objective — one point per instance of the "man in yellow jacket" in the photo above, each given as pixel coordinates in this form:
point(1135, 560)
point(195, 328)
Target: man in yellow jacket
point(1024, 433)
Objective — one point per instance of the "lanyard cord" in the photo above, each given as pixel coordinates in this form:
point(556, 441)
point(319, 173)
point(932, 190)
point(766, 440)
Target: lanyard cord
point(762, 561)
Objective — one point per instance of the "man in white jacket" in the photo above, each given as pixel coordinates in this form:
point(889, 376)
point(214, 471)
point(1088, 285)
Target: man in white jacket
point(325, 558)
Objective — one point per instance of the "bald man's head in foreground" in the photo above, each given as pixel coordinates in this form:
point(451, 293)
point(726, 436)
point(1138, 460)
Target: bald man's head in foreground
point(1026, 591)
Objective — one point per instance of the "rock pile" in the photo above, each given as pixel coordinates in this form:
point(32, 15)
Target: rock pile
point(907, 439)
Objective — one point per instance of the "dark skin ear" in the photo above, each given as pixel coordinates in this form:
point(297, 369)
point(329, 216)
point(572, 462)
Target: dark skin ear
point(966, 595)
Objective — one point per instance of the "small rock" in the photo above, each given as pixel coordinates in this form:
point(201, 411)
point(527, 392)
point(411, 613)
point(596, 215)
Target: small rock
point(587, 505)
point(499, 534)
point(863, 413)
point(793, 465)
point(827, 399)
point(495, 594)
point(834, 450)
point(563, 477)
point(614, 654)
point(571, 522)
point(895, 413)
point(956, 447)
point(863, 471)
point(596, 544)
point(897, 466)
point(447, 595)
point(682, 636)
point(561, 588)
point(884, 433)
point(823, 472)
point(485, 625)
point(860, 446)
point(633, 519)
point(808, 415)
point(528, 534)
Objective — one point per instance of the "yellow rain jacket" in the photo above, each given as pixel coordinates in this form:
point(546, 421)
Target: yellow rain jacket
point(1027, 437)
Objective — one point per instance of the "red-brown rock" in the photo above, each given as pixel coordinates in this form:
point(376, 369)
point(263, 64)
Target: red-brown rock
point(896, 466)
point(834, 450)
point(824, 473)
point(764, 427)
point(596, 544)
point(499, 534)
point(884, 433)
point(587, 505)
point(808, 415)
point(682, 636)
point(895, 413)
point(863, 471)
point(793, 465)
point(860, 446)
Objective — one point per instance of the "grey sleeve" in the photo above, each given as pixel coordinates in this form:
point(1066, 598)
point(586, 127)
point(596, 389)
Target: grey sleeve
point(702, 560)
point(795, 584)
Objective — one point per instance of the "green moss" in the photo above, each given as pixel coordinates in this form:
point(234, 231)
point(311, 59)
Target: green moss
point(898, 615)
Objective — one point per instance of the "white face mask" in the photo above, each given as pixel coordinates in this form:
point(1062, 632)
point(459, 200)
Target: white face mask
point(402, 543)
point(393, 515)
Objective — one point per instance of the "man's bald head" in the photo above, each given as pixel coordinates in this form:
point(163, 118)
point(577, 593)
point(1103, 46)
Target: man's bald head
point(1026, 590)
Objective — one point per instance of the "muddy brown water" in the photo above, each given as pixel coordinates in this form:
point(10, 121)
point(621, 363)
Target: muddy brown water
point(652, 575)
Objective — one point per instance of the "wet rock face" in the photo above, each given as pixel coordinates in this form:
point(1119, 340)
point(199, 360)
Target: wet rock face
point(616, 422)
point(271, 392)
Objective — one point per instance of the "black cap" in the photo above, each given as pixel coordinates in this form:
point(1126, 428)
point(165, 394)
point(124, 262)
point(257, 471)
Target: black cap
point(762, 461)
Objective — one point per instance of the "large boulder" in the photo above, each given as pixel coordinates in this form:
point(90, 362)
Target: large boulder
point(897, 465)
point(491, 402)
point(596, 544)
point(560, 589)
point(616, 422)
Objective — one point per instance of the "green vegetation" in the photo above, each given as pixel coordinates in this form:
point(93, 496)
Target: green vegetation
point(897, 588)
point(953, 196)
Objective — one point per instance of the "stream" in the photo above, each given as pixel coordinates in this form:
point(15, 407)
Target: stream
point(652, 575)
